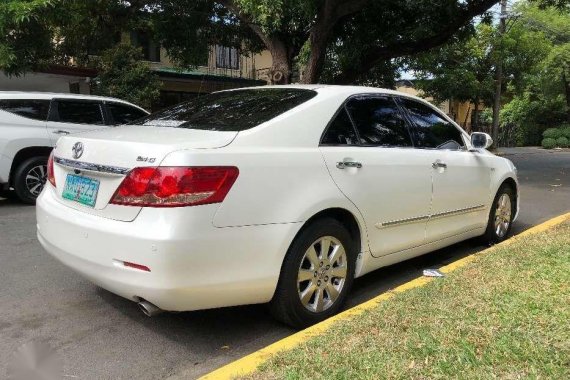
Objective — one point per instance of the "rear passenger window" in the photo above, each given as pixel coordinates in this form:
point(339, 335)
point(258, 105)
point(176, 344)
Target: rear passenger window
point(30, 108)
point(79, 112)
point(379, 122)
point(340, 131)
point(123, 113)
point(432, 130)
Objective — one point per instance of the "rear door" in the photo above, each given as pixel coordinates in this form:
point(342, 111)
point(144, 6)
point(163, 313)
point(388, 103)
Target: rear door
point(461, 180)
point(30, 122)
point(368, 151)
point(69, 116)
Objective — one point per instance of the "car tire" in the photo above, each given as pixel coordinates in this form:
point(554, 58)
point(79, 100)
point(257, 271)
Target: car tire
point(30, 178)
point(313, 285)
point(501, 216)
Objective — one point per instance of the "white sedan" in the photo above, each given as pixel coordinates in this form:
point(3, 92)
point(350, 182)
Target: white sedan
point(273, 194)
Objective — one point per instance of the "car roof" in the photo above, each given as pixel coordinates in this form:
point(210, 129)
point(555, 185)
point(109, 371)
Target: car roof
point(340, 90)
point(55, 95)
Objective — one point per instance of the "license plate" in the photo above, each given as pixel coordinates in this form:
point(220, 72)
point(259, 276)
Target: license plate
point(81, 189)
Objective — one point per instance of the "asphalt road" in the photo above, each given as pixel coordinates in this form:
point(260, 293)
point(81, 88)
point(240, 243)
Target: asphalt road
point(102, 336)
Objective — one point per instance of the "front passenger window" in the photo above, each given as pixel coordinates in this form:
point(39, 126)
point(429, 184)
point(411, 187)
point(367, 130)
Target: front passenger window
point(432, 130)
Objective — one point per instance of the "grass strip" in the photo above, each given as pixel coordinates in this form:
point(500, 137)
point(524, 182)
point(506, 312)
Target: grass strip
point(506, 316)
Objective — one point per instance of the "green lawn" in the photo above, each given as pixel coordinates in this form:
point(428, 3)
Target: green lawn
point(505, 315)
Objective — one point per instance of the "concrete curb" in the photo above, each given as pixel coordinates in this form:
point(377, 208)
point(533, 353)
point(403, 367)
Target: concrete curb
point(249, 363)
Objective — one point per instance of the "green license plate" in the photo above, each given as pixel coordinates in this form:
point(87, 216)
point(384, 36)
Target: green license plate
point(81, 189)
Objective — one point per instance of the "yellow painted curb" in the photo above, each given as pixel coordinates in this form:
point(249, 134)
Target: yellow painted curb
point(249, 363)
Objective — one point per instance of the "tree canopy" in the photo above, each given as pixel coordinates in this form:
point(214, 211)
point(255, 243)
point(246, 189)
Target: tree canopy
point(361, 37)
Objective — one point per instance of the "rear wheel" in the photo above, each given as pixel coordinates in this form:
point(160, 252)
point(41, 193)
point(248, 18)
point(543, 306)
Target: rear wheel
point(501, 216)
point(316, 276)
point(30, 178)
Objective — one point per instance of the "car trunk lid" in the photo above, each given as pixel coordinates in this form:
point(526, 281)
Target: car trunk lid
point(101, 159)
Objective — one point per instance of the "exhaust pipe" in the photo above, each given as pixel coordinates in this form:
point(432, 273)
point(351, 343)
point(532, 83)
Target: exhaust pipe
point(149, 309)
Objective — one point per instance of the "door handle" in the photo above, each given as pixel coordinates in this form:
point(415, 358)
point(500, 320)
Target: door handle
point(348, 164)
point(439, 164)
point(61, 132)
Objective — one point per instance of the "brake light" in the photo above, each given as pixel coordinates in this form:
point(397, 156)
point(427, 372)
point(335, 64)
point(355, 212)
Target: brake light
point(173, 186)
point(50, 175)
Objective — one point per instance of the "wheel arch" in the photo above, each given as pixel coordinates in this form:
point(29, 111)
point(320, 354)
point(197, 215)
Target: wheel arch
point(26, 153)
point(510, 181)
point(344, 217)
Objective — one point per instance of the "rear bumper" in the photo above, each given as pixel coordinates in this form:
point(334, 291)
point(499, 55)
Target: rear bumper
point(193, 264)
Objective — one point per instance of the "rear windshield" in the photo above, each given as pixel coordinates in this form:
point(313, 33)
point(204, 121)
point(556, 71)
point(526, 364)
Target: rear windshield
point(236, 110)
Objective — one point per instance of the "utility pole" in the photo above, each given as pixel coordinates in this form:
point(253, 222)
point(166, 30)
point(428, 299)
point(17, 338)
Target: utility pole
point(499, 74)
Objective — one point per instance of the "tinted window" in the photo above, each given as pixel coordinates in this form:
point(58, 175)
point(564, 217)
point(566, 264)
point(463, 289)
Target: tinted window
point(123, 113)
point(340, 131)
point(379, 122)
point(236, 110)
point(30, 108)
point(432, 130)
point(79, 112)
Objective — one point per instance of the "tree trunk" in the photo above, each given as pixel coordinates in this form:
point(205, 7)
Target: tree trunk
point(316, 58)
point(499, 77)
point(281, 68)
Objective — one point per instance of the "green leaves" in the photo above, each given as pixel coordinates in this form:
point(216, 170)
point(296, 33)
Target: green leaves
point(24, 42)
point(123, 74)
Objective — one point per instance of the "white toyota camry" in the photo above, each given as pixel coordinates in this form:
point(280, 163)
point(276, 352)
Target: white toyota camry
point(278, 194)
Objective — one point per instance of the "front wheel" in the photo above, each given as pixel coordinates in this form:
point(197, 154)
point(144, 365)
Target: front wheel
point(30, 178)
point(501, 216)
point(316, 276)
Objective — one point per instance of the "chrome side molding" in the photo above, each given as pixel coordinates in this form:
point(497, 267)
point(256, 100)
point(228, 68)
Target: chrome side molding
point(427, 217)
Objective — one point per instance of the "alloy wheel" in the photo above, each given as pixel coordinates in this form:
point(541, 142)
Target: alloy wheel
point(503, 215)
point(322, 274)
point(36, 179)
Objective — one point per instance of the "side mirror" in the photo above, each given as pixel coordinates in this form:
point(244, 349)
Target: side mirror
point(480, 140)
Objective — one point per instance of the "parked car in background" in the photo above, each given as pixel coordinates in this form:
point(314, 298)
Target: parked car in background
point(31, 123)
point(274, 194)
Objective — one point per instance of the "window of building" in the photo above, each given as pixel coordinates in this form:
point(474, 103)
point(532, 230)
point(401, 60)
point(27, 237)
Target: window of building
point(30, 108)
point(227, 57)
point(150, 48)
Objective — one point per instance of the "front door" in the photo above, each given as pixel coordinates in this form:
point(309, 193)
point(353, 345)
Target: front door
point(461, 180)
point(368, 151)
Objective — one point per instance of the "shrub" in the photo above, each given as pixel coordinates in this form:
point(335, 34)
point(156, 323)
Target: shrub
point(565, 131)
point(562, 142)
point(552, 133)
point(548, 143)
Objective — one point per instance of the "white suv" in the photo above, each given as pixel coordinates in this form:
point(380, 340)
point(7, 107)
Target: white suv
point(31, 123)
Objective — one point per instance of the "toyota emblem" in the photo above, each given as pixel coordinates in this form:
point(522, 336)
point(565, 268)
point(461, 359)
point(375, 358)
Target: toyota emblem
point(77, 150)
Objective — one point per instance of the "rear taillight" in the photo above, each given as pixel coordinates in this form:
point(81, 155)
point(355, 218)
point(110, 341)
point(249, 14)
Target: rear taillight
point(50, 175)
point(173, 186)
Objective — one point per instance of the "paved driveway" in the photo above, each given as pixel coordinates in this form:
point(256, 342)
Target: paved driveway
point(102, 336)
